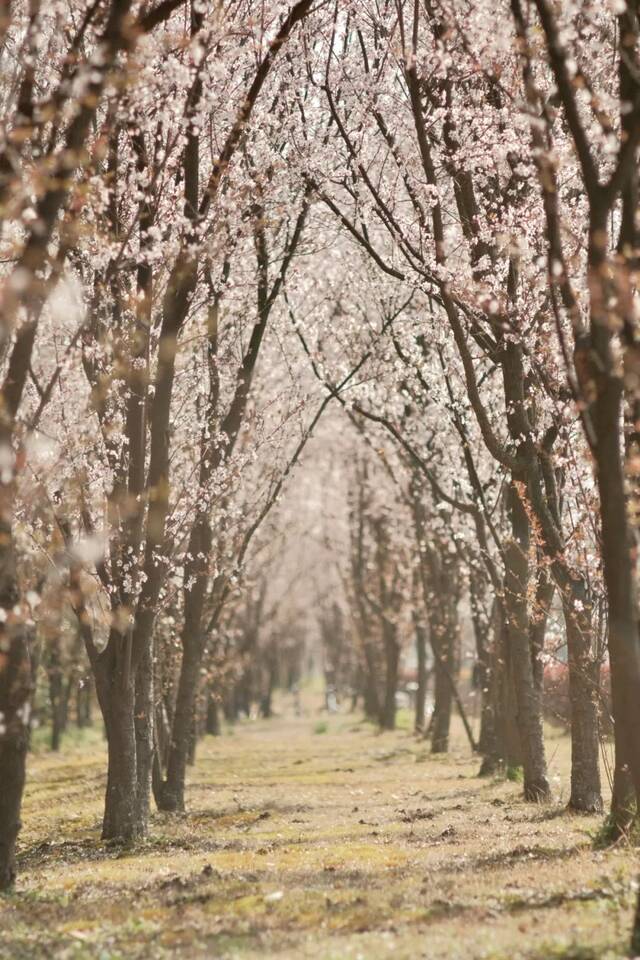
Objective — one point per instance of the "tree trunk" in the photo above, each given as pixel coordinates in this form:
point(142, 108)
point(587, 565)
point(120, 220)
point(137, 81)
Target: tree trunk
point(16, 689)
point(266, 703)
point(83, 704)
point(444, 633)
point(624, 641)
point(528, 696)
point(161, 737)
point(193, 736)
point(121, 809)
point(213, 717)
point(244, 694)
point(145, 741)
point(116, 689)
point(421, 692)
point(619, 574)
point(486, 738)
point(266, 706)
point(583, 664)
point(370, 691)
point(512, 744)
point(494, 732)
point(54, 671)
point(488, 742)
point(15, 697)
point(442, 698)
point(584, 671)
point(483, 680)
point(392, 658)
point(230, 706)
point(623, 799)
point(172, 794)
point(545, 590)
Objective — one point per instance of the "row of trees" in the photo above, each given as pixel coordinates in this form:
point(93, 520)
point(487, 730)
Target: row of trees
point(113, 178)
point(217, 222)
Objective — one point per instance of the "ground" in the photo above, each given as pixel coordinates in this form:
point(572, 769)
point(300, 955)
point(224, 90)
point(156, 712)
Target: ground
point(317, 838)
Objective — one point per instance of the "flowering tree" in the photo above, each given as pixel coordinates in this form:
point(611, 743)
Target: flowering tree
point(217, 222)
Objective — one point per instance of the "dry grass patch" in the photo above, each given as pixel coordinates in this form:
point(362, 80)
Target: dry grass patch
point(345, 845)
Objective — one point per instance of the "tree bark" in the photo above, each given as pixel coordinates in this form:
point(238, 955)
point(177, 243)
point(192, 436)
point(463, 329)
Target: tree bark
point(16, 678)
point(122, 809)
point(495, 734)
point(584, 672)
point(266, 702)
point(624, 809)
point(83, 704)
point(423, 676)
point(172, 794)
point(144, 718)
point(582, 661)
point(624, 642)
point(370, 692)
point(444, 635)
point(483, 677)
point(538, 619)
point(528, 697)
point(442, 697)
point(15, 699)
point(56, 695)
point(392, 659)
point(213, 717)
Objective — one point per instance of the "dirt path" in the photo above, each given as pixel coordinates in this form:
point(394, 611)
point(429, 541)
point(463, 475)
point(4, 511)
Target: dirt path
point(319, 839)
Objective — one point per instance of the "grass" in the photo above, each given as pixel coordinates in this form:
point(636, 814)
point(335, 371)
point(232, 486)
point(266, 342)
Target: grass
point(348, 845)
